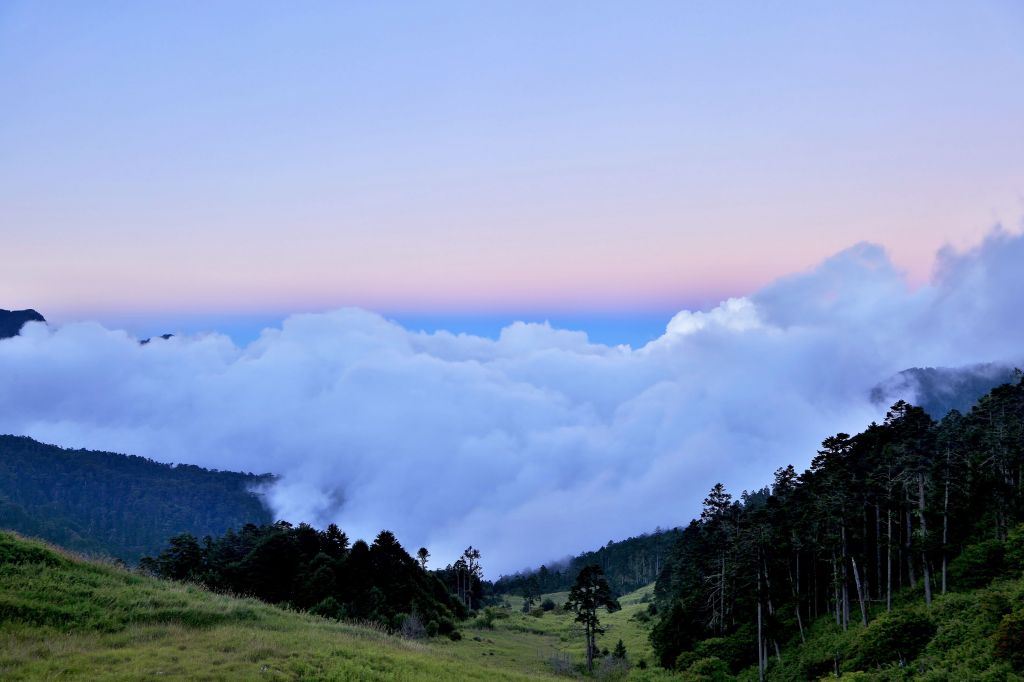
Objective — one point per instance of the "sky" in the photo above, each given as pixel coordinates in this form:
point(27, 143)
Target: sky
point(456, 162)
point(472, 270)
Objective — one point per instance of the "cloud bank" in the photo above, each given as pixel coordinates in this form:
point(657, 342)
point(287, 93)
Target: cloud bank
point(535, 444)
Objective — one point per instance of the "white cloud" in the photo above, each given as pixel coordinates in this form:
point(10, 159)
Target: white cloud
point(533, 445)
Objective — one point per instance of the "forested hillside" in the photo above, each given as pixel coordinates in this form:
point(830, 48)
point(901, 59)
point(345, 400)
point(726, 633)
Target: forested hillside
point(628, 565)
point(117, 505)
point(318, 571)
point(895, 516)
point(937, 390)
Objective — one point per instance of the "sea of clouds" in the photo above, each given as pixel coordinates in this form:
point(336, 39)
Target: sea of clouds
point(533, 445)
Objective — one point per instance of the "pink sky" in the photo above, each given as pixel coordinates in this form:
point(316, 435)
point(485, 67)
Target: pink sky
point(345, 156)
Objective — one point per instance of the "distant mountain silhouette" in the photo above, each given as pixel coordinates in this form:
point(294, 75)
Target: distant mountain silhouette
point(11, 321)
point(940, 389)
point(143, 342)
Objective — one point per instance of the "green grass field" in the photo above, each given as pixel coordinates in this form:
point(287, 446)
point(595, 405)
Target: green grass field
point(65, 618)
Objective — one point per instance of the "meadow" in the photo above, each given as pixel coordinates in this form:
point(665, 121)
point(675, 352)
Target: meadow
point(62, 617)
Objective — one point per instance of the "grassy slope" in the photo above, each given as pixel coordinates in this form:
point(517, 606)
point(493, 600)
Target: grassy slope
point(70, 619)
point(961, 648)
point(524, 641)
point(65, 618)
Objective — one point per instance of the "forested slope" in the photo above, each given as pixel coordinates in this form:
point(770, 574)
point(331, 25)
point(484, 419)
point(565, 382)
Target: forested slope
point(319, 571)
point(118, 505)
point(866, 539)
point(628, 565)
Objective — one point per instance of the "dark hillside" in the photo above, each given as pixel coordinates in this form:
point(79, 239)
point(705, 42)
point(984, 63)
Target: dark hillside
point(854, 564)
point(11, 321)
point(937, 390)
point(628, 565)
point(118, 505)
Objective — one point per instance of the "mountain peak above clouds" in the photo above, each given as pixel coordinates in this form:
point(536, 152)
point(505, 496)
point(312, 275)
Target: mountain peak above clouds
point(11, 321)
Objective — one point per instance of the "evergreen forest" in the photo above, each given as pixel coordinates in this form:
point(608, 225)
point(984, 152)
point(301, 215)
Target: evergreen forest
point(895, 516)
point(116, 505)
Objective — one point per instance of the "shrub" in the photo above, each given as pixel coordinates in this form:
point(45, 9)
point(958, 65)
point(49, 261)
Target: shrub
point(329, 608)
point(562, 664)
point(894, 637)
point(486, 619)
point(611, 668)
point(978, 565)
point(709, 669)
point(1015, 549)
point(1009, 640)
point(548, 604)
point(736, 650)
point(412, 627)
point(455, 635)
point(446, 626)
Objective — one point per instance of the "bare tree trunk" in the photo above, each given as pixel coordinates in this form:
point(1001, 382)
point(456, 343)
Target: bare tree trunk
point(721, 625)
point(924, 540)
point(888, 561)
point(794, 587)
point(815, 569)
point(945, 525)
point(910, 554)
point(878, 553)
point(860, 595)
point(846, 582)
point(838, 591)
point(760, 636)
point(590, 647)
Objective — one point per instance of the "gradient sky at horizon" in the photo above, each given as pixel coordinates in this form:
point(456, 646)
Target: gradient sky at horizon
point(198, 161)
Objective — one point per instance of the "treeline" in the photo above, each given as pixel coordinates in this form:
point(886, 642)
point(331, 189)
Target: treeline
point(890, 509)
point(318, 571)
point(117, 505)
point(628, 565)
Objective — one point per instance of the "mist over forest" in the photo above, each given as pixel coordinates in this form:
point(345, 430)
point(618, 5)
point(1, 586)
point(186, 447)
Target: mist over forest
point(446, 439)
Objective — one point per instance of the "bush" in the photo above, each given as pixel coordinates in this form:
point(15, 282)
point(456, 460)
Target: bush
point(445, 626)
point(978, 565)
point(548, 604)
point(486, 619)
point(894, 637)
point(329, 608)
point(562, 664)
point(432, 628)
point(1015, 549)
point(455, 635)
point(827, 646)
point(736, 650)
point(611, 668)
point(1009, 640)
point(709, 669)
point(412, 627)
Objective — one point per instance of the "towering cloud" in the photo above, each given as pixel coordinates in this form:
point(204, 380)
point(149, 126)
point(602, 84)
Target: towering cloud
point(533, 444)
